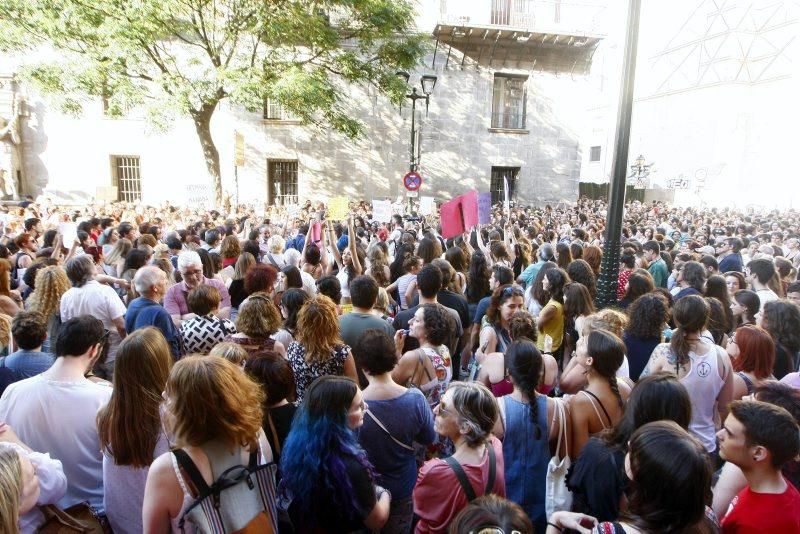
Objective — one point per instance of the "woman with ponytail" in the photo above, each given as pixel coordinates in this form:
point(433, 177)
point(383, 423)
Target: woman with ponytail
point(528, 427)
point(600, 404)
point(703, 367)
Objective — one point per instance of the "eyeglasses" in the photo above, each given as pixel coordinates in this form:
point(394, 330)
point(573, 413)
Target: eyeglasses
point(511, 290)
point(493, 530)
point(104, 339)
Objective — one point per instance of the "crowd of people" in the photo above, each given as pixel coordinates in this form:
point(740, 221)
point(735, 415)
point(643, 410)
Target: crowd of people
point(173, 370)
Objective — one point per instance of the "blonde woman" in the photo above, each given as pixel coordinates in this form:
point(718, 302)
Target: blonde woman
point(114, 262)
point(230, 351)
point(258, 320)
point(51, 283)
point(318, 348)
point(27, 479)
point(236, 286)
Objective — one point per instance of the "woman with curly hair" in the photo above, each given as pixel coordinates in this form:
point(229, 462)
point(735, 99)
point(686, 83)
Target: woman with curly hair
point(639, 283)
point(210, 440)
point(646, 319)
point(378, 265)
point(51, 284)
point(529, 439)
point(495, 335)
point(318, 348)
point(258, 320)
point(781, 318)
point(326, 475)
point(428, 368)
point(580, 271)
point(535, 295)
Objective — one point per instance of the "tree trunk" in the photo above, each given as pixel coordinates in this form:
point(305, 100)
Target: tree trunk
point(202, 123)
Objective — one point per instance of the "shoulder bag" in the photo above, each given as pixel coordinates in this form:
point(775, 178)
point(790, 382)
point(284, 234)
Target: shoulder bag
point(558, 498)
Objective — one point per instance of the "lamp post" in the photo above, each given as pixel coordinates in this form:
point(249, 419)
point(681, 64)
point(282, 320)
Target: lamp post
point(427, 83)
point(609, 268)
point(640, 172)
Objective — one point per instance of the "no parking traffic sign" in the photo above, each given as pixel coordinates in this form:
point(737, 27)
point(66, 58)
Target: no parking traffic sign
point(412, 181)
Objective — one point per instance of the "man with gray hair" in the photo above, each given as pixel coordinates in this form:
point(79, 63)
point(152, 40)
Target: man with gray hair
point(89, 297)
point(151, 283)
point(190, 268)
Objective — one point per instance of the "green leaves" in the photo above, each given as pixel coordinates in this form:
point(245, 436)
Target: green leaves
point(184, 54)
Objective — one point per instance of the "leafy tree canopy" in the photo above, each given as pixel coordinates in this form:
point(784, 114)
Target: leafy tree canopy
point(186, 56)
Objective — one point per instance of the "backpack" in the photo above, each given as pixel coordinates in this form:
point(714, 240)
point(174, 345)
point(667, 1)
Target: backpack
point(240, 501)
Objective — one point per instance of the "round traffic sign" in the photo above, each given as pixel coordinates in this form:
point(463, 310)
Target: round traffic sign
point(412, 181)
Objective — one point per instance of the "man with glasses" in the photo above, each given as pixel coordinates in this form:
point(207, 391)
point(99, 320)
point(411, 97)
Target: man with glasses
point(729, 256)
point(191, 268)
point(54, 412)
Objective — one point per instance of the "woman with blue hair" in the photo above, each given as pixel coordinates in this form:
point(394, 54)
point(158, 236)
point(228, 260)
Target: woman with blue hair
point(327, 481)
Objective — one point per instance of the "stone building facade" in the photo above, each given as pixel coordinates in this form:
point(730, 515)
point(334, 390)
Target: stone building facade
point(509, 101)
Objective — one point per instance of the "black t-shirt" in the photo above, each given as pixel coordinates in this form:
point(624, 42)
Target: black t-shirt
point(237, 292)
point(282, 419)
point(785, 362)
point(450, 299)
point(597, 481)
point(329, 516)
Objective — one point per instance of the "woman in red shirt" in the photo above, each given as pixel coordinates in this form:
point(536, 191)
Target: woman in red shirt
point(466, 415)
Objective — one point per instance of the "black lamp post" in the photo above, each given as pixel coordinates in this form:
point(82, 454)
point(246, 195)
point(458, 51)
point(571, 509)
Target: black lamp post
point(639, 172)
point(427, 82)
point(609, 268)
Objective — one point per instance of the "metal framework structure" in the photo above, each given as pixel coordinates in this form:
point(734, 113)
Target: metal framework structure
point(128, 178)
point(729, 41)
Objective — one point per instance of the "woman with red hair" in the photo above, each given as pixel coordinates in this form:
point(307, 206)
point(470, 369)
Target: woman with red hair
point(752, 353)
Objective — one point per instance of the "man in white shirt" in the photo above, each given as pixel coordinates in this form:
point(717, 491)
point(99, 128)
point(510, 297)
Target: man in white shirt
point(55, 412)
point(89, 297)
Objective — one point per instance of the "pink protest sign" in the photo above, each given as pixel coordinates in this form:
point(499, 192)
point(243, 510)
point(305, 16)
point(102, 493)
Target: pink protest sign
point(452, 218)
point(469, 207)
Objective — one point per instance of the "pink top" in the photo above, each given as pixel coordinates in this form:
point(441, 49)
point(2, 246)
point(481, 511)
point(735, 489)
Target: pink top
point(502, 388)
point(438, 497)
point(175, 299)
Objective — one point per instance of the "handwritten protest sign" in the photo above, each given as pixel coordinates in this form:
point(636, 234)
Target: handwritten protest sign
point(338, 208)
point(199, 195)
point(427, 206)
point(484, 208)
point(382, 210)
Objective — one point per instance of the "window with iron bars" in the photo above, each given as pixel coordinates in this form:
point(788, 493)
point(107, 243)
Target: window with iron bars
point(275, 111)
point(127, 178)
point(497, 183)
point(508, 101)
point(282, 182)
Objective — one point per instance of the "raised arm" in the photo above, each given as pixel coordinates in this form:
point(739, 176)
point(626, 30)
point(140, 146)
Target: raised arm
point(509, 242)
point(467, 244)
point(332, 239)
point(481, 244)
point(351, 243)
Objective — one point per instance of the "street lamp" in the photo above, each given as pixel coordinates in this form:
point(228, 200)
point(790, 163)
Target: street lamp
point(640, 171)
point(427, 83)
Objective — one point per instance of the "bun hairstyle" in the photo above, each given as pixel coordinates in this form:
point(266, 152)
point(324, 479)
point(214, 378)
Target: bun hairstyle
point(525, 366)
point(607, 352)
point(477, 410)
point(691, 316)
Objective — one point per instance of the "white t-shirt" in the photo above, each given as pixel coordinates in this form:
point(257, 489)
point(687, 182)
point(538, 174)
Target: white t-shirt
point(59, 418)
point(97, 300)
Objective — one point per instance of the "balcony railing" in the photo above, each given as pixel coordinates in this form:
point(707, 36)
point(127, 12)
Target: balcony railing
point(550, 16)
